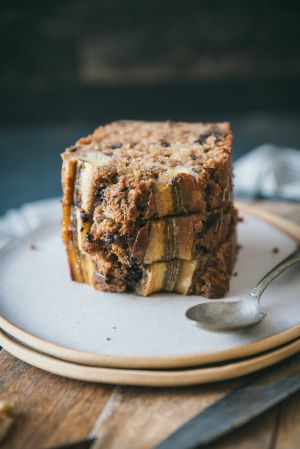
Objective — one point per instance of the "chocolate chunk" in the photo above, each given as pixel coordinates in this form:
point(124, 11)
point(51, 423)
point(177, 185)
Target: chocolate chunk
point(211, 221)
point(115, 146)
point(203, 137)
point(84, 216)
point(121, 239)
point(140, 207)
point(99, 194)
point(217, 134)
point(89, 238)
point(108, 239)
point(201, 249)
point(134, 275)
point(208, 190)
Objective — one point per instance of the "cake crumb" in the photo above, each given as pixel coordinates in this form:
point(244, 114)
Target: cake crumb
point(33, 247)
point(275, 250)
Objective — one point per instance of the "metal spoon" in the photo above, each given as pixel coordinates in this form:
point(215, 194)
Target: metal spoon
point(223, 315)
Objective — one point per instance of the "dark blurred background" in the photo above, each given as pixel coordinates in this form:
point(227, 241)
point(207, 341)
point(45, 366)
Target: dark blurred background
point(68, 66)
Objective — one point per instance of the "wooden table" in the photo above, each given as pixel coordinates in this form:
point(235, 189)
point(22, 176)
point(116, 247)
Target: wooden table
point(51, 410)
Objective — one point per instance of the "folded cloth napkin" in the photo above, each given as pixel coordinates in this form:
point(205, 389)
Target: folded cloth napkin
point(268, 171)
point(17, 222)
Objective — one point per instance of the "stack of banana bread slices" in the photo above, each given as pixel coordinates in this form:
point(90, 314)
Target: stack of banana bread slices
point(147, 207)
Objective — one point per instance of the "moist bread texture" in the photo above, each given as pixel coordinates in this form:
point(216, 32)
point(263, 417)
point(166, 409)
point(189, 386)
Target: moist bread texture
point(147, 207)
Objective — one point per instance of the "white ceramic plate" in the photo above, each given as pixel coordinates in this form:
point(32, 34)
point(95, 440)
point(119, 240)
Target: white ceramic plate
point(42, 308)
point(150, 378)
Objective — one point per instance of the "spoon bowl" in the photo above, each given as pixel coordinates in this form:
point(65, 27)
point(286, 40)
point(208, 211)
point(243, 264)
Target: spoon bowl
point(229, 315)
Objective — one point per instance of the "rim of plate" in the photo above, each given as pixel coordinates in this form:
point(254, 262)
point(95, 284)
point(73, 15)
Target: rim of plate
point(167, 362)
point(148, 378)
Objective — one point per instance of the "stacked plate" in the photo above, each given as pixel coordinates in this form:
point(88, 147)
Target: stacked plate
point(71, 330)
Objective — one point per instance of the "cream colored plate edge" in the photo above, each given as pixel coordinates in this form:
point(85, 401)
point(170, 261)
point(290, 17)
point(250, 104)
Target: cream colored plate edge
point(93, 359)
point(149, 378)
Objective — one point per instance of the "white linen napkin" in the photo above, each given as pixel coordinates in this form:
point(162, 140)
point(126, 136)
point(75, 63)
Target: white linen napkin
point(268, 171)
point(17, 222)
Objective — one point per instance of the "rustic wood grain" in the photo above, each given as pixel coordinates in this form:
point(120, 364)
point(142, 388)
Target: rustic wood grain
point(51, 410)
point(139, 418)
point(288, 432)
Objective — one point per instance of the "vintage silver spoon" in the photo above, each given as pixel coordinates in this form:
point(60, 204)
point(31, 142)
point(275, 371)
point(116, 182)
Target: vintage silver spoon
point(223, 315)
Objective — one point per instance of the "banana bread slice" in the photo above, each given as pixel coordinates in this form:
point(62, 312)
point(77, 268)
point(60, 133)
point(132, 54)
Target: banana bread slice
point(142, 193)
point(151, 169)
point(209, 275)
point(174, 237)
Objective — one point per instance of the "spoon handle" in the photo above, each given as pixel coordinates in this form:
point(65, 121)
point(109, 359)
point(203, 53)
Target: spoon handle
point(282, 266)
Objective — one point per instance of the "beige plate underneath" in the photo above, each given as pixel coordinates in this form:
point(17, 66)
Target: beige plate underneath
point(149, 378)
point(158, 362)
